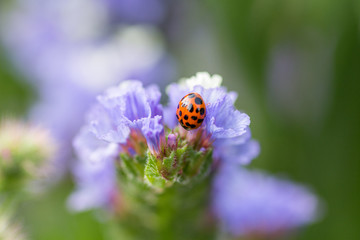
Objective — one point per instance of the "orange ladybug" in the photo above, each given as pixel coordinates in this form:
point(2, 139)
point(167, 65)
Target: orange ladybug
point(191, 111)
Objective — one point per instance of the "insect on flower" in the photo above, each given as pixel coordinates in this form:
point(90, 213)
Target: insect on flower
point(191, 111)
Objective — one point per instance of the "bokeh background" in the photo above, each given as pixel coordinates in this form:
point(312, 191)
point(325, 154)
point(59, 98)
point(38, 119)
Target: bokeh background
point(296, 67)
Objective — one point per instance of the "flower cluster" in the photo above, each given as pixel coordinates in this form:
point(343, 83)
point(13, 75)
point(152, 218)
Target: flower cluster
point(227, 128)
point(129, 137)
point(132, 118)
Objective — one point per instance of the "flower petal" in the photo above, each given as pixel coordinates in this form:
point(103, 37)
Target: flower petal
point(249, 202)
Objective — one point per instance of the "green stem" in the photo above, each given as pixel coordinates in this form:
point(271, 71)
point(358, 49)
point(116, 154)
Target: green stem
point(178, 212)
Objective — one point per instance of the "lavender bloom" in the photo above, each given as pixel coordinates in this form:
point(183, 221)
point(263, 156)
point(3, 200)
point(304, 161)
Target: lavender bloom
point(249, 202)
point(94, 172)
point(124, 112)
point(124, 108)
point(131, 117)
point(176, 91)
point(224, 125)
point(222, 119)
point(128, 123)
point(153, 130)
point(172, 141)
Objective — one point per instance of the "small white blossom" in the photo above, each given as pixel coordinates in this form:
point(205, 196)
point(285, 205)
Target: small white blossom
point(203, 79)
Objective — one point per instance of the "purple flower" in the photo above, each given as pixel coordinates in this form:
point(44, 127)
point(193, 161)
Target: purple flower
point(224, 125)
point(94, 172)
point(124, 117)
point(249, 202)
point(125, 108)
point(153, 130)
point(222, 119)
point(131, 117)
point(172, 141)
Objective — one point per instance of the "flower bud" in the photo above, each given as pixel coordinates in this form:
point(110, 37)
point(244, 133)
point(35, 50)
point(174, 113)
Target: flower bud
point(172, 142)
point(23, 148)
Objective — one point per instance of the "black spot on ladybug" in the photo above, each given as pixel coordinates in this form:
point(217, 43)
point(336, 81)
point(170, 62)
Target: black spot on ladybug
point(191, 95)
point(197, 110)
point(193, 117)
point(186, 117)
point(187, 124)
point(180, 113)
point(200, 120)
point(181, 121)
point(202, 111)
point(198, 101)
point(193, 126)
point(190, 108)
point(177, 116)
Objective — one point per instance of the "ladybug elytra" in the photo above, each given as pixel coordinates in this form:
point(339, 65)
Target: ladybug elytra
point(191, 111)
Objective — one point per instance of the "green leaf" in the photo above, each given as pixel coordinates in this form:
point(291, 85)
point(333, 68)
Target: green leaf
point(152, 173)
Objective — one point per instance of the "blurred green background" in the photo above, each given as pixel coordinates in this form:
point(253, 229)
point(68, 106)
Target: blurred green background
point(296, 67)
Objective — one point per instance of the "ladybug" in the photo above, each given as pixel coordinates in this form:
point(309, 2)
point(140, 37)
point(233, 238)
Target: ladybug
point(191, 111)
